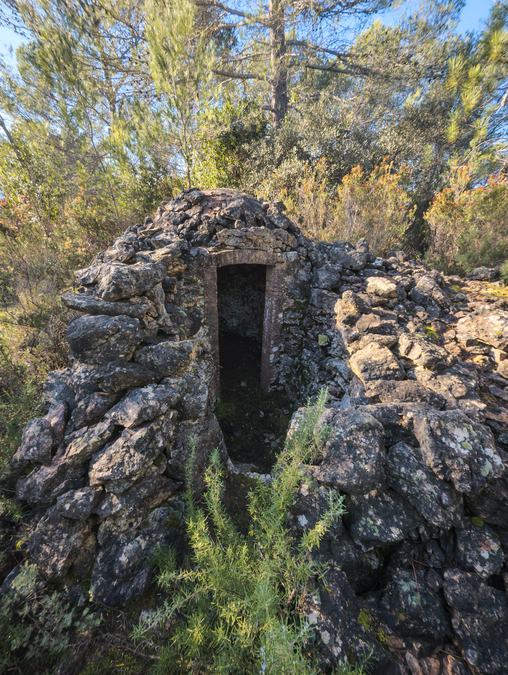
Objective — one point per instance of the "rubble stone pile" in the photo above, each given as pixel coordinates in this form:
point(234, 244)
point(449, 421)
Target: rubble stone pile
point(416, 366)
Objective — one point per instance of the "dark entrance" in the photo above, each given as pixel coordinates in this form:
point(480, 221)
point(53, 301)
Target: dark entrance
point(241, 304)
point(251, 419)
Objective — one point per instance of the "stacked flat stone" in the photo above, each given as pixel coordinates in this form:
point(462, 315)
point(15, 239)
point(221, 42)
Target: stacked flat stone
point(416, 371)
point(417, 444)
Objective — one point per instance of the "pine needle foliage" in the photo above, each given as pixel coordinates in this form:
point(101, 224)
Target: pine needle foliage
point(238, 606)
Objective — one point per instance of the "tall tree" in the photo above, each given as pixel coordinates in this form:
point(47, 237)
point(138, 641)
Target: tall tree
point(278, 41)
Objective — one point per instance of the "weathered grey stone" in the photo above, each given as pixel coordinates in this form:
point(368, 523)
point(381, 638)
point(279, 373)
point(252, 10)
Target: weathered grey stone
point(57, 543)
point(327, 277)
point(45, 484)
point(371, 338)
point(457, 450)
point(195, 393)
point(78, 504)
point(434, 499)
point(380, 518)
point(332, 616)
point(479, 550)
point(167, 358)
point(204, 435)
point(375, 363)
point(353, 455)
point(392, 391)
point(127, 281)
point(349, 308)
point(384, 287)
point(99, 339)
point(428, 293)
point(480, 621)
point(376, 324)
point(484, 274)
point(412, 606)
point(152, 490)
point(455, 384)
point(142, 405)
point(120, 375)
point(420, 351)
point(91, 409)
point(92, 305)
point(123, 570)
point(491, 503)
point(36, 444)
point(57, 388)
point(124, 460)
point(83, 443)
point(489, 327)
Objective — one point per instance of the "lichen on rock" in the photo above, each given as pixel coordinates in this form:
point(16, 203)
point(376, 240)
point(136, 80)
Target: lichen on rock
point(415, 425)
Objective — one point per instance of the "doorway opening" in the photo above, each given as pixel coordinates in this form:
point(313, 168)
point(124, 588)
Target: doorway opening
point(241, 303)
point(252, 420)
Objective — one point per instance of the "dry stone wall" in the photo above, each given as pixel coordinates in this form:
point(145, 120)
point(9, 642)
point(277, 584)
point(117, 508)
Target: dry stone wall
point(416, 367)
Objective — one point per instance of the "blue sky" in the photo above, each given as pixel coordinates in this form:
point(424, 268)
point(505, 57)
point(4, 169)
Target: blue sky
point(473, 18)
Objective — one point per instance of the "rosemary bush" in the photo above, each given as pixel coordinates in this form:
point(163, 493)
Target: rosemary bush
point(237, 606)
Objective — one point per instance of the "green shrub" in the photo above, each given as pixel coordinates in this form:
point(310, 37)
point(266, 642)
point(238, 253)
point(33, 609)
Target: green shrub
point(38, 626)
point(504, 272)
point(469, 225)
point(374, 206)
point(236, 607)
point(19, 402)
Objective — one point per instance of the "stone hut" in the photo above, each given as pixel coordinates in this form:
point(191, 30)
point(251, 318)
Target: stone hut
point(413, 445)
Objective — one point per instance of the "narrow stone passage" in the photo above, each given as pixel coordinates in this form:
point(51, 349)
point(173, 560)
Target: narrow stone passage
point(253, 422)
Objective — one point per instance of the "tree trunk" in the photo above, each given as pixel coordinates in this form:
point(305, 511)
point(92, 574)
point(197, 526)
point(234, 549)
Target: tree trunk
point(279, 71)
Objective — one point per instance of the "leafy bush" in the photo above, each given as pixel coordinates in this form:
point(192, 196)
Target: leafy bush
point(307, 194)
point(19, 402)
point(504, 272)
point(374, 206)
point(237, 606)
point(38, 626)
point(469, 225)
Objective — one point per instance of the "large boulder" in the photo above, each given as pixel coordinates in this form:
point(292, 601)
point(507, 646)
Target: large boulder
point(124, 569)
point(380, 518)
point(412, 605)
point(99, 339)
point(84, 302)
point(127, 281)
point(490, 327)
point(46, 483)
point(375, 362)
point(479, 550)
point(349, 308)
point(384, 287)
point(144, 404)
point(434, 499)
point(57, 543)
point(130, 456)
point(82, 444)
point(428, 293)
point(457, 449)
point(332, 614)
point(480, 621)
point(167, 358)
point(120, 375)
point(420, 351)
point(353, 455)
point(36, 444)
